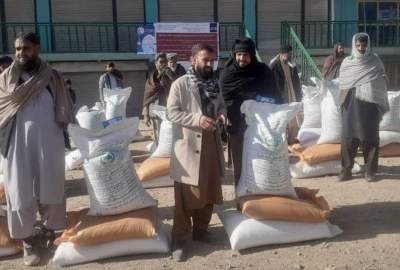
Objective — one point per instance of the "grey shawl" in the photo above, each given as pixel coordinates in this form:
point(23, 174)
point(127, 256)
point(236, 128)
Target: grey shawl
point(366, 73)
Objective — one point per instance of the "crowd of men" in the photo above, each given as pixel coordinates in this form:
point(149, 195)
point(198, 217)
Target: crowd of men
point(36, 106)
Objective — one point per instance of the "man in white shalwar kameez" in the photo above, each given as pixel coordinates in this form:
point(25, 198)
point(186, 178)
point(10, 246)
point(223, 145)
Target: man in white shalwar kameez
point(35, 107)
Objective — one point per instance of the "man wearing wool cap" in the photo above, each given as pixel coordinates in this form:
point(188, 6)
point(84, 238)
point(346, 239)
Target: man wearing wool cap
point(175, 70)
point(243, 78)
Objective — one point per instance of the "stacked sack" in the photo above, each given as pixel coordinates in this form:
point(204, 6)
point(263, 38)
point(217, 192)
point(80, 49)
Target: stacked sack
point(95, 118)
point(310, 129)
point(322, 158)
point(8, 246)
point(88, 118)
point(122, 218)
point(273, 211)
point(155, 171)
point(2, 190)
point(389, 128)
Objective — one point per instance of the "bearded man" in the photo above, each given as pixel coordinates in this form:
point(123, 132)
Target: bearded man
point(35, 107)
point(333, 62)
point(288, 86)
point(243, 78)
point(363, 85)
point(195, 106)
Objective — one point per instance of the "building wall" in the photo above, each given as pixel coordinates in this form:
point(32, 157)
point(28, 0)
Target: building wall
point(271, 13)
point(269, 16)
point(75, 11)
point(85, 79)
point(130, 11)
point(186, 11)
point(90, 38)
point(19, 11)
point(230, 10)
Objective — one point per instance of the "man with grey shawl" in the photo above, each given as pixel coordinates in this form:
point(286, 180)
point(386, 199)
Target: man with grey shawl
point(364, 100)
point(35, 106)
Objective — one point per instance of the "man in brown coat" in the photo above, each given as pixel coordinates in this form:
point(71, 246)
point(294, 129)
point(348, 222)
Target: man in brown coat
point(156, 92)
point(196, 107)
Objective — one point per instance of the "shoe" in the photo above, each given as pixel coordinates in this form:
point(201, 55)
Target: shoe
point(201, 235)
point(47, 238)
point(31, 251)
point(178, 252)
point(370, 177)
point(345, 175)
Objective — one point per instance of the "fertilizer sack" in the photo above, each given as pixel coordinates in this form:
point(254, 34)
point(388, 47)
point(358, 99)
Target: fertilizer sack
point(331, 118)
point(311, 107)
point(116, 100)
point(164, 147)
point(113, 185)
point(91, 119)
point(265, 161)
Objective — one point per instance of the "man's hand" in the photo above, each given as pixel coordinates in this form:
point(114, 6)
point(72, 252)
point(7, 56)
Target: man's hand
point(207, 123)
point(147, 120)
point(223, 120)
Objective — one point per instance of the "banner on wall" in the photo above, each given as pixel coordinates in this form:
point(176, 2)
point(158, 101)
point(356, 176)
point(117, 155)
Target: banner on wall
point(179, 38)
point(146, 39)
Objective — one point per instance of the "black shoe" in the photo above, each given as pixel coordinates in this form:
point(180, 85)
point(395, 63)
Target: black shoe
point(31, 251)
point(345, 175)
point(370, 177)
point(178, 252)
point(47, 238)
point(201, 235)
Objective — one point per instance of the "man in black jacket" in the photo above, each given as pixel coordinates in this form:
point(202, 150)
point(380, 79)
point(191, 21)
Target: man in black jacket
point(243, 78)
point(287, 85)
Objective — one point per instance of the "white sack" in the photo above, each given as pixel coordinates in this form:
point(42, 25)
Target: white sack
point(388, 137)
point(73, 160)
point(4, 252)
point(391, 119)
point(245, 233)
point(331, 118)
point(116, 100)
point(163, 181)
point(90, 119)
point(7, 251)
point(308, 136)
point(98, 106)
point(265, 161)
point(68, 253)
point(311, 107)
point(164, 147)
point(111, 178)
point(304, 170)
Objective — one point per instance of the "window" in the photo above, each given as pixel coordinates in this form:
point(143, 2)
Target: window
point(379, 21)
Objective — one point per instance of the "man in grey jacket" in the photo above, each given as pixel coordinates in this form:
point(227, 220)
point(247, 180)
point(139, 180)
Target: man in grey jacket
point(111, 79)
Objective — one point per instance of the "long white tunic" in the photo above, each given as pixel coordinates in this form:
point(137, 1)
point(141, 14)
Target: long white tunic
point(34, 166)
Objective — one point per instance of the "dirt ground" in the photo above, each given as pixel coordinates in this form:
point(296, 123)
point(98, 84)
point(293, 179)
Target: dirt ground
point(368, 214)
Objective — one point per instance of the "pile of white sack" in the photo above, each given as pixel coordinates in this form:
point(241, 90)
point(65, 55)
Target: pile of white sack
point(389, 128)
point(155, 171)
point(8, 246)
point(122, 218)
point(265, 172)
point(97, 117)
point(320, 133)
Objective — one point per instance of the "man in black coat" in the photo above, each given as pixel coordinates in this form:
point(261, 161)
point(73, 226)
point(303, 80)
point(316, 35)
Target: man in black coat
point(287, 85)
point(243, 78)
